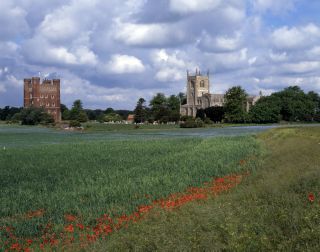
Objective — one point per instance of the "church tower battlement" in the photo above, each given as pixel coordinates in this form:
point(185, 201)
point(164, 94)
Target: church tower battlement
point(197, 86)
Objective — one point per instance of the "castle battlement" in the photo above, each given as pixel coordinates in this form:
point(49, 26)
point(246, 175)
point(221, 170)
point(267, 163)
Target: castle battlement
point(43, 95)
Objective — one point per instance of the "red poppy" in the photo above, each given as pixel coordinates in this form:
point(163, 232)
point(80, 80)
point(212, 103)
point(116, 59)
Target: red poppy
point(69, 228)
point(311, 197)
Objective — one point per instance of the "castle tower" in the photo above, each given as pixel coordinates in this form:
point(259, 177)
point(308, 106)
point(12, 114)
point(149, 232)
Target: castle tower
point(45, 95)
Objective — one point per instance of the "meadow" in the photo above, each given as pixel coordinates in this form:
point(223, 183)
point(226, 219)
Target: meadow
point(48, 174)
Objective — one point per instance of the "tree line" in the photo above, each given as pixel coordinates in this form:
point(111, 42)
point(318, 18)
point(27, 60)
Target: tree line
point(161, 108)
point(291, 104)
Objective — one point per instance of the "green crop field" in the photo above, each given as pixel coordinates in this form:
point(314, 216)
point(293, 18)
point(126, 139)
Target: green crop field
point(91, 174)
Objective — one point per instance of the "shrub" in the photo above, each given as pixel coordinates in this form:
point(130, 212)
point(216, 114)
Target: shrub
point(74, 124)
point(207, 121)
point(192, 123)
point(35, 116)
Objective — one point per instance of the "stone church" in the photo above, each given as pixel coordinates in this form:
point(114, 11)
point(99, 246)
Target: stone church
point(199, 97)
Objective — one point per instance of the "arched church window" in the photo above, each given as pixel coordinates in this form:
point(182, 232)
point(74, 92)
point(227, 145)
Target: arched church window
point(202, 83)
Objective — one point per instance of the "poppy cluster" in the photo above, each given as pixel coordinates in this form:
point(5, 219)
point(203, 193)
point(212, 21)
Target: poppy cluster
point(75, 231)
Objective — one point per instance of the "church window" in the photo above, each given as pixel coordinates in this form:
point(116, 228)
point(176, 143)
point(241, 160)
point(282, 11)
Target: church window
point(52, 96)
point(53, 104)
point(202, 83)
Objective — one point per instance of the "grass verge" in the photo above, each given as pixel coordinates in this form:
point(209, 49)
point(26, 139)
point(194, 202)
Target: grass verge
point(270, 211)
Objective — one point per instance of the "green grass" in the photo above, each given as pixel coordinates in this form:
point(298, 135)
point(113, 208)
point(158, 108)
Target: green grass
point(89, 178)
point(101, 127)
point(269, 211)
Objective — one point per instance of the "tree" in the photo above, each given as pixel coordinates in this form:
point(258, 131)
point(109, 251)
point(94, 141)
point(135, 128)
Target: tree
point(65, 112)
point(235, 105)
point(183, 98)
point(296, 105)
point(159, 107)
point(112, 117)
point(266, 110)
point(7, 112)
point(140, 113)
point(173, 103)
point(34, 116)
point(109, 111)
point(77, 113)
point(215, 114)
point(201, 114)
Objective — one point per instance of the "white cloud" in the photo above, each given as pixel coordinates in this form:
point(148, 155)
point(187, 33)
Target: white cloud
point(170, 67)
point(296, 37)
point(147, 34)
point(41, 51)
point(233, 14)
point(220, 43)
point(122, 64)
point(12, 20)
point(301, 67)
point(278, 57)
point(187, 6)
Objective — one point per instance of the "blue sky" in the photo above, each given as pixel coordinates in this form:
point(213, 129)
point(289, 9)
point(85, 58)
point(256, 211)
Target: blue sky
point(108, 53)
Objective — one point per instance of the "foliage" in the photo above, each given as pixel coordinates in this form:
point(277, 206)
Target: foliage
point(65, 112)
point(296, 105)
point(74, 124)
point(34, 116)
point(112, 117)
point(290, 104)
point(215, 113)
point(77, 112)
point(192, 123)
point(235, 105)
point(94, 115)
point(7, 112)
point(201, 114)
point(140, 112)
point(109, 111)
point(266, 110)
point(182, 98)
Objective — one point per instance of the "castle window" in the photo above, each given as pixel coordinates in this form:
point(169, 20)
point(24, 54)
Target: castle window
point(202, 83)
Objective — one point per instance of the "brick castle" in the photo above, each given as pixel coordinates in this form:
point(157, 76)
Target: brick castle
point(43, 95)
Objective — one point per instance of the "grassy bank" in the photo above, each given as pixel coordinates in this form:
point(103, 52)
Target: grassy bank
point(42, 183)
point(270, 211)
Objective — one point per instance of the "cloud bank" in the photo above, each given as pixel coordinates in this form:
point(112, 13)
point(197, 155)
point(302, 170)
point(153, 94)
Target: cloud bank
point(109, 53)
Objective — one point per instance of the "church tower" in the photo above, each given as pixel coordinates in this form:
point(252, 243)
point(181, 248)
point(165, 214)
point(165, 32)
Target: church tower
point(197, 86)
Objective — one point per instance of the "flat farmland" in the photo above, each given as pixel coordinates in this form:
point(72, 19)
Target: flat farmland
point(47, 174)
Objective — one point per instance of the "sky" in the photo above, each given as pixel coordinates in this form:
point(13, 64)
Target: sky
point(109, 53)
